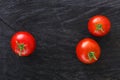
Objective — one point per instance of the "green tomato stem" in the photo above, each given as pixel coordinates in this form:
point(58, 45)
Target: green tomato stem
point(21, 47)
point(91, 56)
point(99, 27)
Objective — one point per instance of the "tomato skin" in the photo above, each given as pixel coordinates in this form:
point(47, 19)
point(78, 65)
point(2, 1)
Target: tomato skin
point(25, 38)
point(84, 47)
point(103, 21)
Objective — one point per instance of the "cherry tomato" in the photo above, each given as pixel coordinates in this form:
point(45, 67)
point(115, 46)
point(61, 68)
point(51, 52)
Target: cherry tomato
point(88, 51)
point(23, 43)
point(99, 25)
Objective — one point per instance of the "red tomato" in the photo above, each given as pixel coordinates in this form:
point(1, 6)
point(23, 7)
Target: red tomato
point(99, 25)
point(88, 51)
point(23, 43)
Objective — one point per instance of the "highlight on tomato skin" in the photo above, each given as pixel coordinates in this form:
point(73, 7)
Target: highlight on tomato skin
point(23, 43)
point(99, 25)
point(88, 51)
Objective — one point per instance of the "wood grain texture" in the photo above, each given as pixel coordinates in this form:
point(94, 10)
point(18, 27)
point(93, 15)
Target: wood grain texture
point(57, 26)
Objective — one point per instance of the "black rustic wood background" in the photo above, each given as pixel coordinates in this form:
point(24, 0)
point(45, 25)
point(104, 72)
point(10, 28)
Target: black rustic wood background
point(57, 26)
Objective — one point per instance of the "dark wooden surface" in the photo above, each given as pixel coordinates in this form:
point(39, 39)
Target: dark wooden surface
point(58, 25)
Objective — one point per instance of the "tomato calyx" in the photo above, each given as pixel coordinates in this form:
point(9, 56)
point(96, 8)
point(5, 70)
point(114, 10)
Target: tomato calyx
point(91, 56)
point(99, 27)
point(21, 47)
